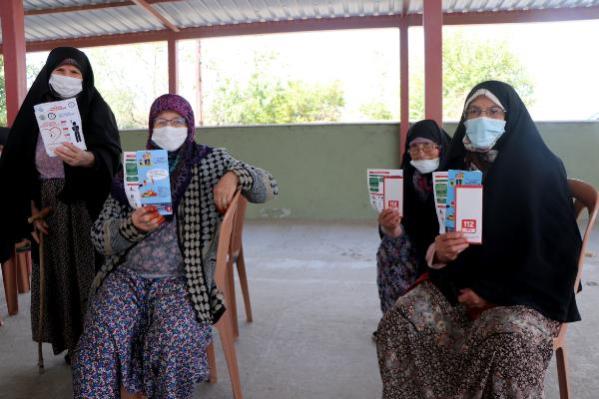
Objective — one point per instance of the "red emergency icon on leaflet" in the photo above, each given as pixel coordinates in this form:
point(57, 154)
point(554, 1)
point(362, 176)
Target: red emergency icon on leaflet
point(469, 226)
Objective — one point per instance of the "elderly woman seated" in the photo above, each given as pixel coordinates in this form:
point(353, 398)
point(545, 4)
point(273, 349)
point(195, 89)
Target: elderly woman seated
point(149, 323)
point(483, 325)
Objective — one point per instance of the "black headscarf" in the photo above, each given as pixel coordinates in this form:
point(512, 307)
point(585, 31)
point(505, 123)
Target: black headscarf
point(531, 241)
point(3, 135)
point(17, 166)
point(420, 218)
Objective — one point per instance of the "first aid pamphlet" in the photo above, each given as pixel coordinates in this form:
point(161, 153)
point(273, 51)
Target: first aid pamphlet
point(385, 189)
point(469, 212)
point(59, 123)
point(147, 180)
point(467, 206)
point(440, 196)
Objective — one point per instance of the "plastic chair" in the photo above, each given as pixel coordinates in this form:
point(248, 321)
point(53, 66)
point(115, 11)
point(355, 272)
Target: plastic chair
point(585, 196)
point(225, 325)
point(236, 259)
point(10, 280)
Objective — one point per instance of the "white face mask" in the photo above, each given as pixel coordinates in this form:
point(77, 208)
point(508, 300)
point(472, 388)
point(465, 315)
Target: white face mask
point(169, 138)
point(425, 166)
point(65, 86)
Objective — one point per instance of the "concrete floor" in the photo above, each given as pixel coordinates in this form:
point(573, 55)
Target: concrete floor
point(315, 305)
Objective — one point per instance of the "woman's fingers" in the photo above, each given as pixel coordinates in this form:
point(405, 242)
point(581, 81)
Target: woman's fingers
point(42, 226)
point(35, 236)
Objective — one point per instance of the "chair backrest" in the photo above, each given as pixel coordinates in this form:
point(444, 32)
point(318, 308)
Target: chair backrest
point(224, 242)
point(236, 239)
point(585, 196)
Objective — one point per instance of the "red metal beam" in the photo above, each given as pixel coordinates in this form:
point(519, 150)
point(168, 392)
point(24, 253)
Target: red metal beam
point(164, 20)
point(433, 60)
point(172, 66)
point(13, 35)
point(90, 7)
point(522, 16)
point(200, 89)
point(404, 76)
point(383, 21)
point(256, 28)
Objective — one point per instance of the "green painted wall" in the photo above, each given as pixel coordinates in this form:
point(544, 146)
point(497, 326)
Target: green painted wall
point(321, 169)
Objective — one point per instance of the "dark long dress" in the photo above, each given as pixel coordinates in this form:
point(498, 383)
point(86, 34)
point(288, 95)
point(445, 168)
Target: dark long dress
point(76, 195)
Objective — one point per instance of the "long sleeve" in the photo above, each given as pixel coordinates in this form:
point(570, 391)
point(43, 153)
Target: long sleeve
point(113, 232)
point(430, 258)
point(256, 184)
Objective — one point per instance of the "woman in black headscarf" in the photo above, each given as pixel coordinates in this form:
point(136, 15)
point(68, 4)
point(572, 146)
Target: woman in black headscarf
point(74, 184)
point(404, 241)
point(483, 325)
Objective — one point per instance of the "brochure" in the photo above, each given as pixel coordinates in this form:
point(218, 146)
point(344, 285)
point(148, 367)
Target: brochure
point(147, 180)
point(458, 178)
point(385, 188)
point(440, 196)
point(60, 122)
point(469, 212)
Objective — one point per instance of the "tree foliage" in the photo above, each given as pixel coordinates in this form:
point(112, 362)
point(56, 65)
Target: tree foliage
point(269, 98)
point(466, 62)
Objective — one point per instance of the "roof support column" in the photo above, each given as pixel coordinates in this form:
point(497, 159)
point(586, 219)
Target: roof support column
point(13, 48)
point(432, 21)
point(404, 85)
point(172, 65)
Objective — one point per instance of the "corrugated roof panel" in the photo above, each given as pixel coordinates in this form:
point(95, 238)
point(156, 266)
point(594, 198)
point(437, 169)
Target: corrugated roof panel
point(106, 21)
point(49, 4)
point(196, 13)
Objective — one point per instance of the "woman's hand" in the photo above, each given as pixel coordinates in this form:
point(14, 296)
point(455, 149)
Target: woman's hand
point(39, 225)
point(449, 245)
point(147, 219)
point(471, 299)
point(390, 222)
point(225, 190)
point(75, 156)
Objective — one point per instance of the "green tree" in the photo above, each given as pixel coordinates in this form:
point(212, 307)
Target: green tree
point(268, 98)
point(376, 111)
point(466, 62)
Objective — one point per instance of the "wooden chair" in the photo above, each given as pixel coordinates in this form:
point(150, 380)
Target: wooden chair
point(225, 325)
point(236, 259)
point(585, 196)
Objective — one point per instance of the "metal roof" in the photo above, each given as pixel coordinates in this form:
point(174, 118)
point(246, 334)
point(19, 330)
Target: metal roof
point(69, 19)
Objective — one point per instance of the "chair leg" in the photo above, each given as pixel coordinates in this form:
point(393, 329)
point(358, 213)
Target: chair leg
point(212, 363)
point(561, 359)
point(9, 278)
point(243, 281)
point(231, 299)
point(23, 284)
point(225, 330)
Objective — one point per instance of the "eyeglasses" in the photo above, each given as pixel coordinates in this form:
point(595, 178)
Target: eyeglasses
point(176, 122)
point(426, 148)
point(493, 112)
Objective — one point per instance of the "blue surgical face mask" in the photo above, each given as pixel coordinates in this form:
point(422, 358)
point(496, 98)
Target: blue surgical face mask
point(483, 132)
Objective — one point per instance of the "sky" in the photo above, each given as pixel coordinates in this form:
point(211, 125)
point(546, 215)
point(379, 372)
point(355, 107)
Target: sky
point(561, 58)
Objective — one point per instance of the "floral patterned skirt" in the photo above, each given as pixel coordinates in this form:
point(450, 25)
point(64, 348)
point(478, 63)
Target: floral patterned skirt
point(397, 269)
point(428, 348)
point(142, 334)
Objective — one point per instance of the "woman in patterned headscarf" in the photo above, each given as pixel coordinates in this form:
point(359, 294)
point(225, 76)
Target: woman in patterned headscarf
point(149, 323)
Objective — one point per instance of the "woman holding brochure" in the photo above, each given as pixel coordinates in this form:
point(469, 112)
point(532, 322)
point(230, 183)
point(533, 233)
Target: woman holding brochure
point(483, 325)
point(149, 323)
point(72, 182)
point(404, 241)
